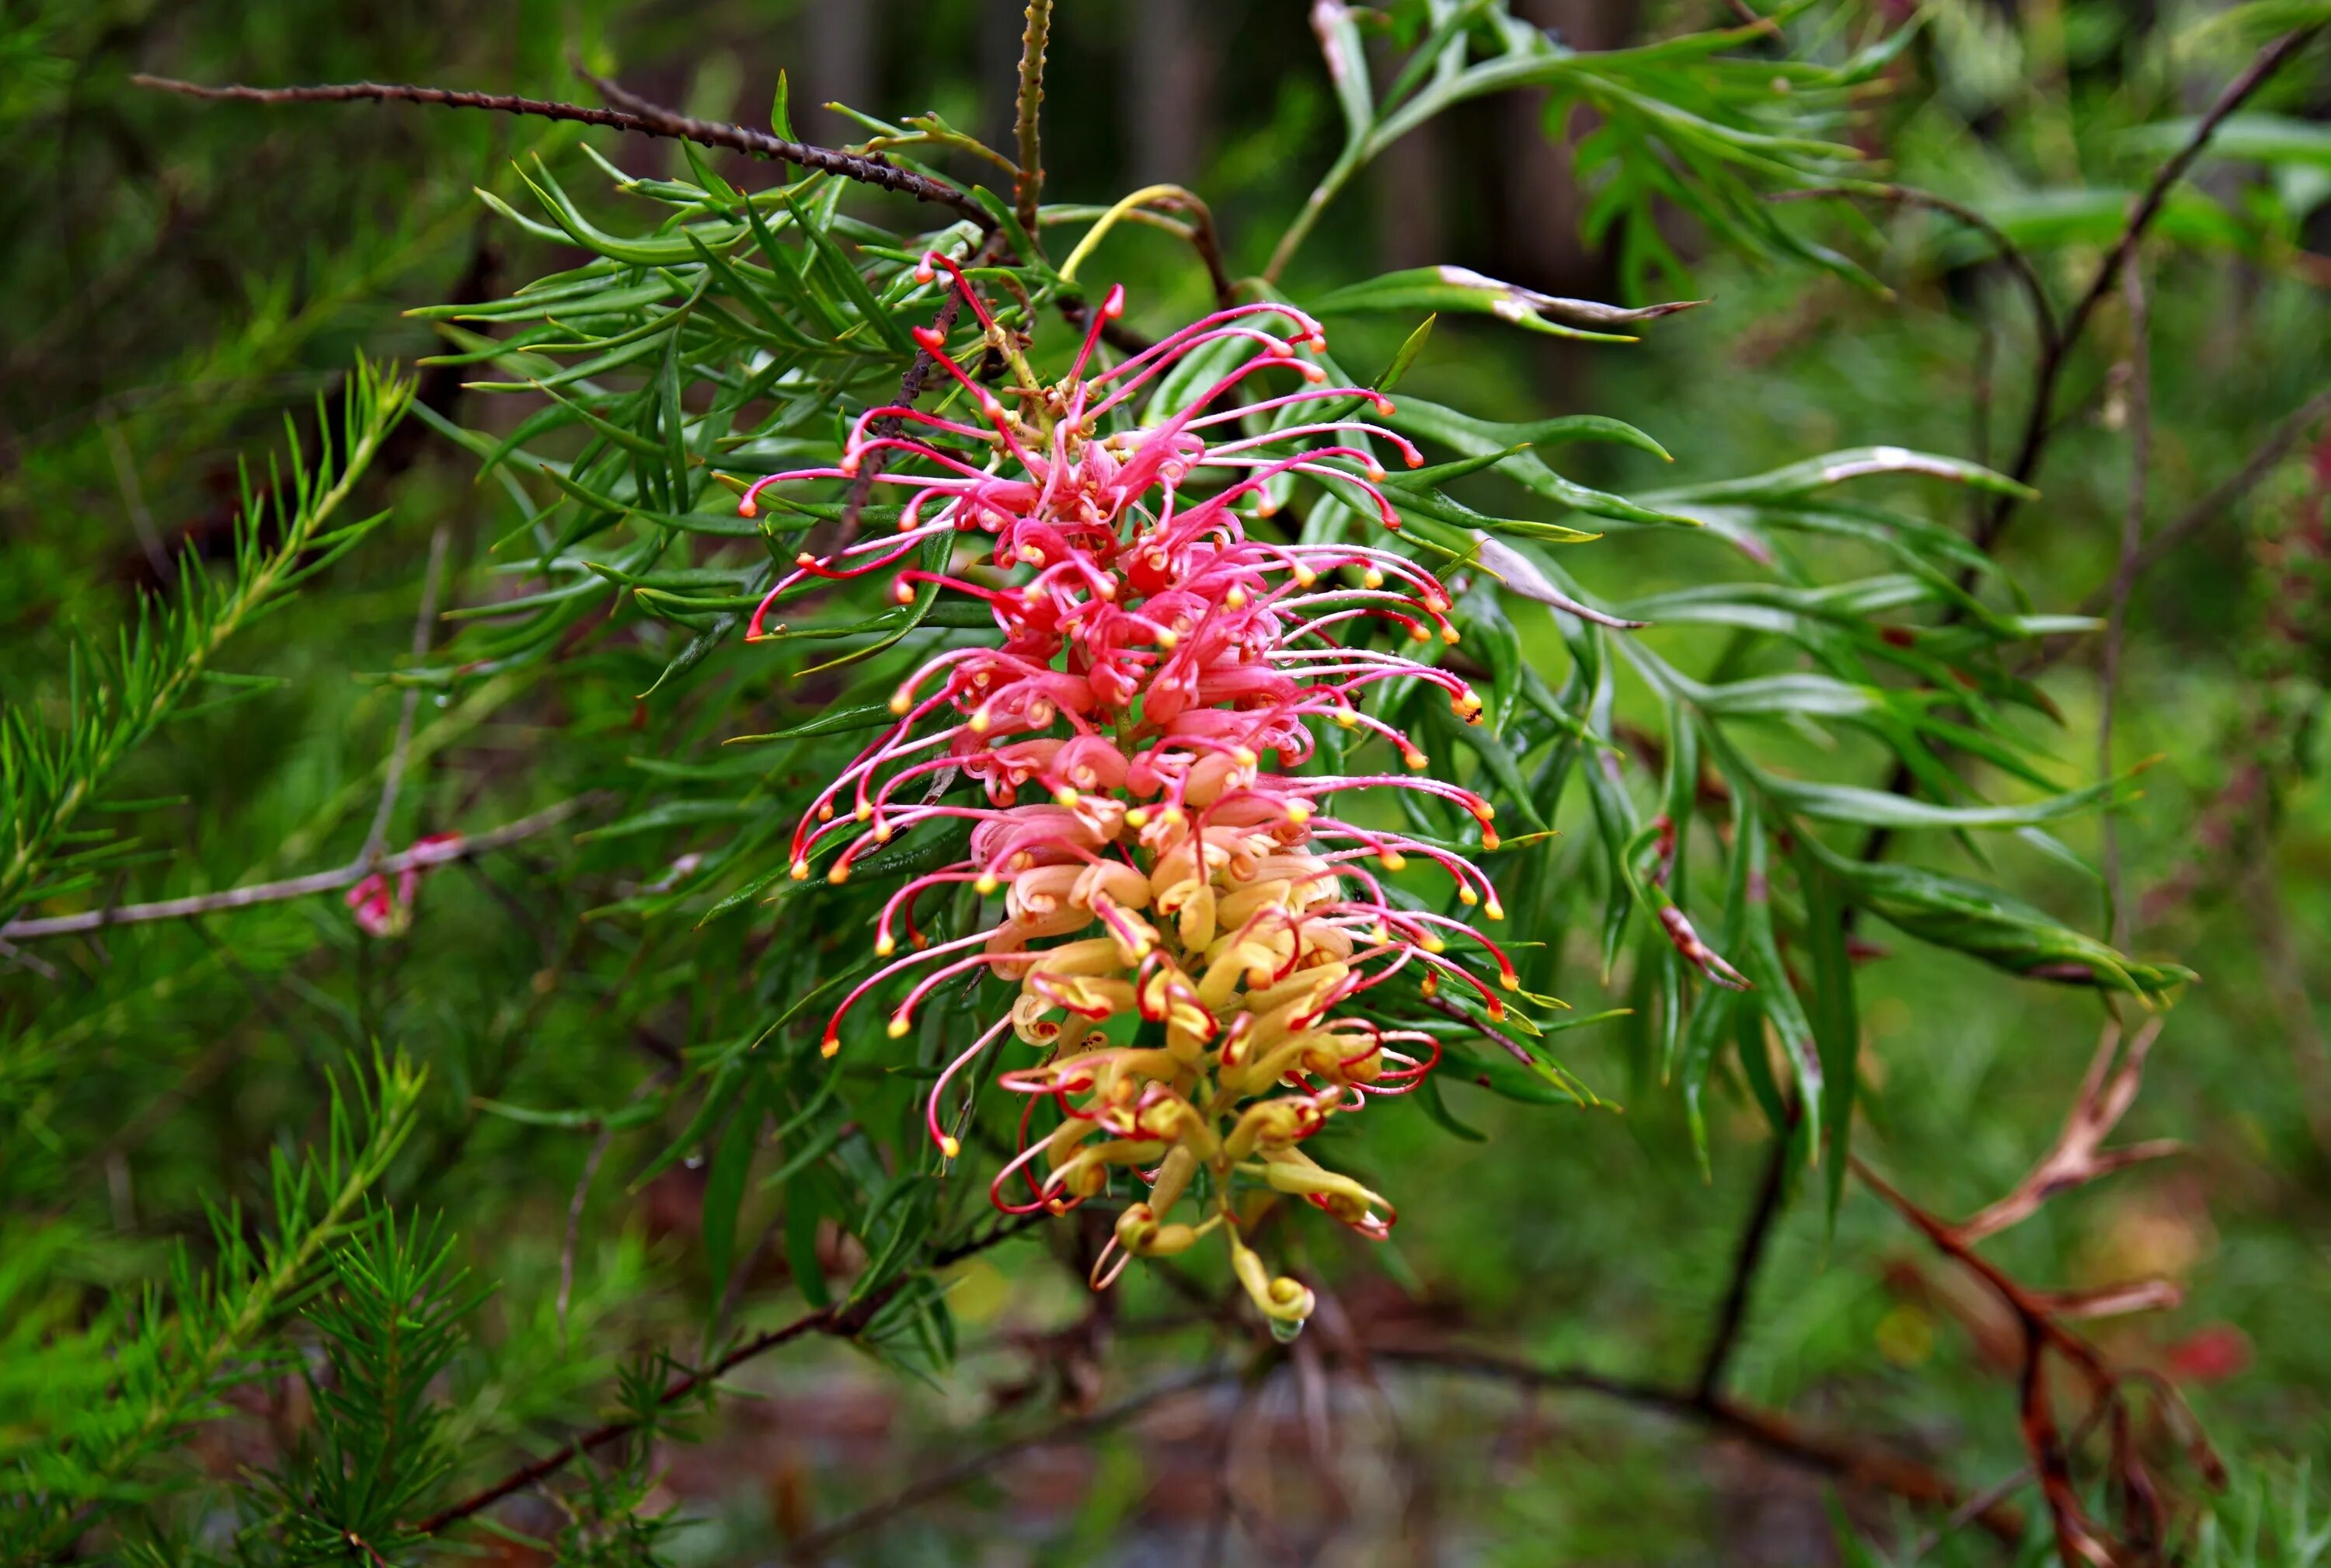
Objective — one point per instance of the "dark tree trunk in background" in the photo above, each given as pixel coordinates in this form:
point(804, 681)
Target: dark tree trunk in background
point(1537, 243)
point(839, 38)
point(1407, 179)
point(1001, 23)
point(1166, 73)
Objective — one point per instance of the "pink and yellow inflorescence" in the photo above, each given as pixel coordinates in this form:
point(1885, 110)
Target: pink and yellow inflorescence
point(1188, 929)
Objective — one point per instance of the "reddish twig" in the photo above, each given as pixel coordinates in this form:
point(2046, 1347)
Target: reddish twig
point(2078, 1158)
point(866, 168)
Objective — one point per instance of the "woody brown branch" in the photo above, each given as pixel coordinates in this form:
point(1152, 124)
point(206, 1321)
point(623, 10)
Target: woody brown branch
point(866, 168)
point(419, 858)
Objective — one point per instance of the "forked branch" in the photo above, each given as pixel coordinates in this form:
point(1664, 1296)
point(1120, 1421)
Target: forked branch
point(2078, 1158)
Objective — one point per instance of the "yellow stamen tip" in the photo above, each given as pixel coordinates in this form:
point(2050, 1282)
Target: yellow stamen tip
point(1066, 797)
point(839, 873)
point(985, 885)
point(884, 946)
point(865, 813)
point(1449, 635)
point(801, 870)
point(950, 1147)
point(901, 703)
point(1372, 578)
point(977, 722)
point(1417, 761)
point(1494, 911)
point(1466, 896)
point(899, 1024)
point(1510, 982)
point(829, 1048)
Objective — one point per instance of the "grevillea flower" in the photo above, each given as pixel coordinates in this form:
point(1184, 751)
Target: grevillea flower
point(1187, 927)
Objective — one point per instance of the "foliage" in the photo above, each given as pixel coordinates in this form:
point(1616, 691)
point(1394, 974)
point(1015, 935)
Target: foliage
point(1747, 733)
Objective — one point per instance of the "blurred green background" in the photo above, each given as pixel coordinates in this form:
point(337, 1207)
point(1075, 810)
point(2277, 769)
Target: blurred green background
point(178, 277)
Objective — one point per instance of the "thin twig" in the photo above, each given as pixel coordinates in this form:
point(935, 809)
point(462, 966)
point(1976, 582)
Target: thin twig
point(1998, 1491)
point(2222, 498)
point(38, 965)
point(2053, 357)
point(1078, 1428)
point(1030, 185)
point(866, 168)
point(1514, 1048)
point(133, 501)
point(1852, 1461)
point(2138, 397)
point(419, 858)
point(2042, 1317)
point(575, 1223)
point(424, 624)
point(2287, 990)
point(618, 96)
point(1733, 1313)
point(2043, 314)
point(842, 1322)
point(2039, 421)
point(911, 388)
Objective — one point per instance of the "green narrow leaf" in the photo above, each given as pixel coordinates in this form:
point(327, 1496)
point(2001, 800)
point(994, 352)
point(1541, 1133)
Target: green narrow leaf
point(781, 119)
point(1836, 1022)
point(1405, 355)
